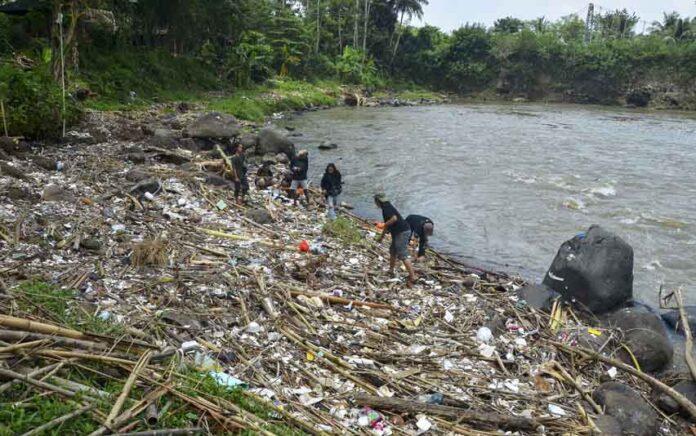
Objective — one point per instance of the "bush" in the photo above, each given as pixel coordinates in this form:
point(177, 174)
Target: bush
point(33, 103)
point(344, 230)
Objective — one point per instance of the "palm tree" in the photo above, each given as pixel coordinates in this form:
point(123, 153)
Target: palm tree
point(410, 8)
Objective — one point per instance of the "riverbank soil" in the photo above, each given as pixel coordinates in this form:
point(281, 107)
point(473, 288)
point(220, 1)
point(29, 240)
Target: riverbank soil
point(136, 296)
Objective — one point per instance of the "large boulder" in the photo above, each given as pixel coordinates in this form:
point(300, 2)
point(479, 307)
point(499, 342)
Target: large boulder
point(633, 413)
point(274, 141)
point(673, 319)
point(645, 336)
point(607, 426)
point(595, 269)
point(214, 125)
point(260, 216)
point(668, 405)
point(539, 297)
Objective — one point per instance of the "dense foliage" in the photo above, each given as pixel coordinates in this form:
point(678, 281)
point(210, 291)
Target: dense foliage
point(123, 50)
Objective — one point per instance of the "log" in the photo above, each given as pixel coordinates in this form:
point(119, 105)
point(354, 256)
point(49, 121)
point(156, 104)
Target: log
point(472, 417)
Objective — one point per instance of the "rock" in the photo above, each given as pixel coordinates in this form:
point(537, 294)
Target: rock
point(215, 180)
point(638, 98)
point(163, 133)
point(74, 137)
point(326, 145)
point(608, 426)
point(260, 216)
point(270, 158)
point(667, 404)
point(595, 270)
point(137, 157)
point(539, 297)
point(633, 413)
point(673, 319)
point(189, 144)
point(44, 162)
point(645, 336)
point(16, 194)
point(214, 125)
point(9, 170)
point(172, 157)
point(274, 141)
point(91, 244)
point(136, 175)
point(152, 186)
point(282, 158)
point(13, 147)
point(249, 141)
point(55, 193)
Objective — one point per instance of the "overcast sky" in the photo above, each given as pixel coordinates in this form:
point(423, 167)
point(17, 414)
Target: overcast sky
point(451, 14)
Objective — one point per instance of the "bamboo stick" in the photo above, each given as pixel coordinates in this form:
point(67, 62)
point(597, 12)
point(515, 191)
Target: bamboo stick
point(15, 347)
point(32, 374)
point(166, 432)
point(14, 335)
point(4, 117)
point(142, 363)
point(26, 379)
point(339, 300)
point(689, 345)
point(38, 327)
point(55, 422)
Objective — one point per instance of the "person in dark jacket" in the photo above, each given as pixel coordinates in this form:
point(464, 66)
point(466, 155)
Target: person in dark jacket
point(241, 184)
point(400, 234)
point(422, 228)
point(299, 166)
point(331, 186)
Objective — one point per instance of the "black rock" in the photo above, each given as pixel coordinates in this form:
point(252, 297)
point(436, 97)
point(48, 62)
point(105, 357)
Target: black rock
point(608, 426)
point(55, 193)
point(9, 170)
point(638, 98)
point(539, 297)
point(44, 162)
point(645, 336)
point(260, 216)
point(136, 157)
point(328, 146)
point(595, 270)
point(15, 194)
point(215, 180)
point(274, 141)
point(91, 244)
point(633, 413)
point(668, 405)
point(673, 319)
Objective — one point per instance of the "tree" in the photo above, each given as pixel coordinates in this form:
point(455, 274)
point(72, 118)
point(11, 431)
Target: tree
point(618, 24)
point(408, 8)
point(508, 25)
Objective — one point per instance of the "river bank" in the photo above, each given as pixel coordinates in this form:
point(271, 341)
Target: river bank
point(133, 245)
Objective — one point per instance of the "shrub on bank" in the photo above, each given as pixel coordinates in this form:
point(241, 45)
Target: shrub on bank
point(33, 103)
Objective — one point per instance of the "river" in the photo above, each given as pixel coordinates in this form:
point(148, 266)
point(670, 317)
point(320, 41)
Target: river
point(507, 184)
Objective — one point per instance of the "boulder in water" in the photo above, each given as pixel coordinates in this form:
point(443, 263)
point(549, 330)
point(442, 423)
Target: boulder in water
point(645, 336)
point(594, 269)
point(638, 97)
point(631, 411)
point(274, 141)
point(673, 319)
point(214, 125)
point(327, 145)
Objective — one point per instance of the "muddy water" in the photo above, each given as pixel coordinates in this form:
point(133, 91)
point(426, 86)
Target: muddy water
point(506, 185)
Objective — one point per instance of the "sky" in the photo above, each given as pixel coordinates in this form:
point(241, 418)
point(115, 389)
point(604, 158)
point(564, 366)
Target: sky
point(451, 14)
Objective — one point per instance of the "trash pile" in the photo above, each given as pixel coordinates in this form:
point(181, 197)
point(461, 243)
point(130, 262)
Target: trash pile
point(187, 313)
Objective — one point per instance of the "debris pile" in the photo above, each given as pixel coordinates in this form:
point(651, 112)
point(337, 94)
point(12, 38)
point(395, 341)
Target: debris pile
point(137, 294)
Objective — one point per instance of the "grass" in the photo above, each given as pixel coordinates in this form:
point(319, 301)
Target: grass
point(59, 305)
point(344, 230)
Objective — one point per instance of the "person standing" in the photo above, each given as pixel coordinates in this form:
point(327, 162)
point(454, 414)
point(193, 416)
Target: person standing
point(331, 186)
point(422, 228)
point(300, 167)
point(400, 235)
point(241, 184)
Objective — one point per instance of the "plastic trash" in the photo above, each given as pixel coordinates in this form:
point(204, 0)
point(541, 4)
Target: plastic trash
point(484, 335)
point(436, 398)
point(190, 346)
point(423, 423)
point(118, 228)
point(253, 327)
point(204, 362)
point(448, 316)
point(556, 410)
point(221, 205)
point(224, 379)
point(149, 196)
point(60, 166)
point(303, 247)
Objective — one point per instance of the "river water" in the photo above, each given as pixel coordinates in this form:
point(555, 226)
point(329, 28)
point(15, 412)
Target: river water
point(506, 185)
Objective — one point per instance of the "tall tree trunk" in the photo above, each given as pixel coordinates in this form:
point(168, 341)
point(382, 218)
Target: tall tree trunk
point(398, 36)
point(316, 47)
point(356, 20)
point(368, 3)
point(340, 34)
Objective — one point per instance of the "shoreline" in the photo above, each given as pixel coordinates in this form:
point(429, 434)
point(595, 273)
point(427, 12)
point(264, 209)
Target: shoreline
point(188, 270)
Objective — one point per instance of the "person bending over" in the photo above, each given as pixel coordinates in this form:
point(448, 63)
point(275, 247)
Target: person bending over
point(422, 228)
point(400, 235)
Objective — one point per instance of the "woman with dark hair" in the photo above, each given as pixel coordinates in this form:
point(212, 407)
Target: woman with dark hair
point(332, 186)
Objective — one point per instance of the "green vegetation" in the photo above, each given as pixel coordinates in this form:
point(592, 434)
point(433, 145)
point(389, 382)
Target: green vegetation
point(344, 230)
point(61, 306)
point(265, 56)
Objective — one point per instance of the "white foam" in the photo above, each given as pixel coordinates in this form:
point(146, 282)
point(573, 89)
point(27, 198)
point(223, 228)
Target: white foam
point(653, 265)
point(604, 191)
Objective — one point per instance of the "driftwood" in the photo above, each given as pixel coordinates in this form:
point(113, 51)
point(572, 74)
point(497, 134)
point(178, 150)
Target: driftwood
point(689, 345)
point(339, 300)
point(487, 419)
